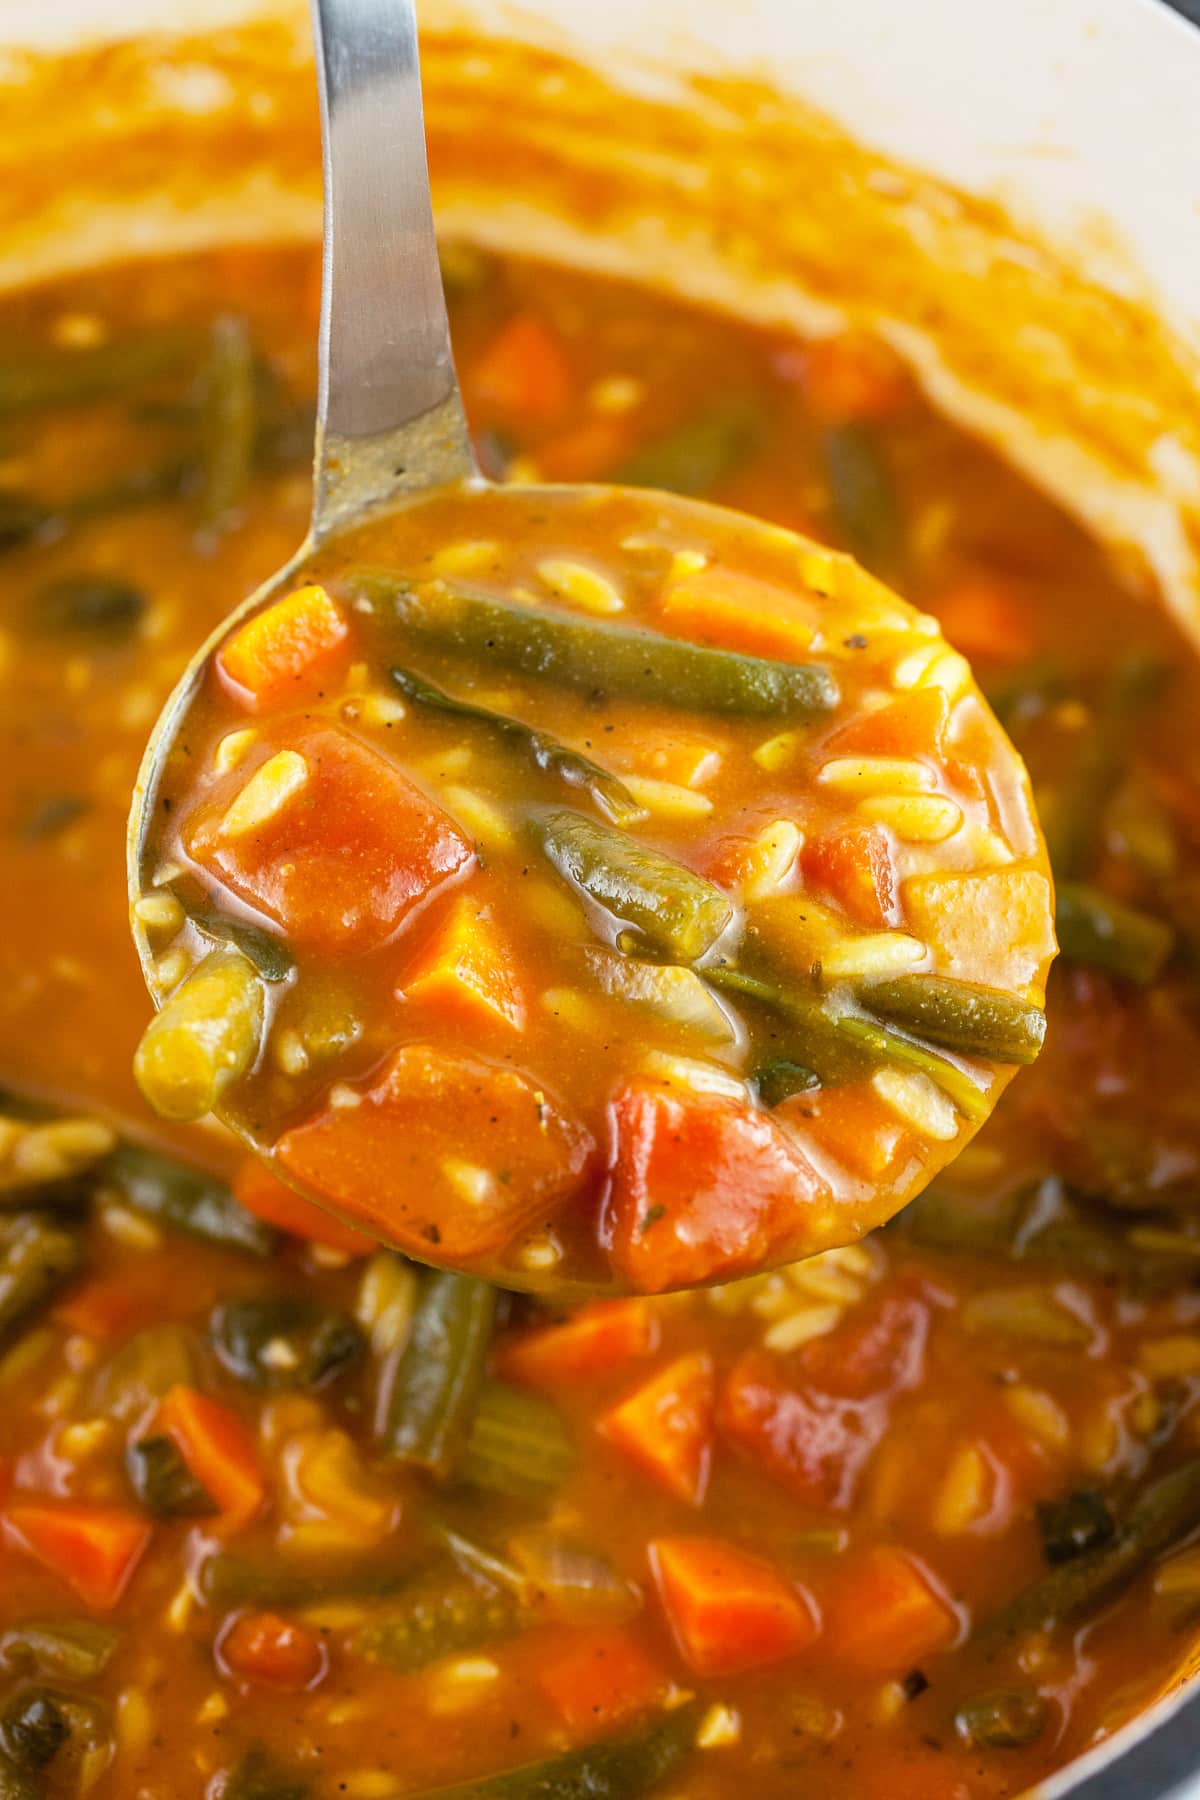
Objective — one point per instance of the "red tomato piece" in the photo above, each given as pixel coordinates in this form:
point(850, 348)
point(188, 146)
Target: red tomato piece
point(265, 1648)
point(600, 1337)
point(666, 1426)
point(853, 865)
point(523, 374)
point(275, 1203)
point(914, 725)
point(94, 1549)
point(596, 1680)
point(442, 1151)
point(883, 1614)
point(287, 648)
point(217, 1448)
point(702, 1187)
point(728, 1611)
point(346, 858)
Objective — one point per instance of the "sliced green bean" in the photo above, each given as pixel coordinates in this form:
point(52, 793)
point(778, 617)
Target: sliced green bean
point(33, 1728)
point(38, 1256)
point(436, 1387)
point(17, 1783)
point(1105, 934)
point(186, 1199)
point(228, 1580)
point(958, 1015)
point(229, 423)
point(440, 1614)
point(618, 1768)
point(679, 914)
point(99, 606)
point(285, 1341)
point(545, 752)
point(52, 816)
point(1074, 834)
point(60, 1649)
point(163, 1482)
point(259, 1777)
point(777, 1080)
point(1007, 1719)
point(518, 1445)
point(37, 379)
point(208, 1033)
point(863, 495)
point(1072, 1526)
point(592, 654)
point(697, 455)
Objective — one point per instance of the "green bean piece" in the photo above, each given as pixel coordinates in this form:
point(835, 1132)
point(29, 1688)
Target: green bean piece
point(98, 606)
point(229, 423)
point(1074, 836)
point(186, 1199)
point(1163, 1513)
point(163, 1482)
point(1007, 1719)
point(17, 1783)
point(60, 1649)
point(269, 954)
point(1105, 934)
point(518, 1445)
point(545, 752)
point(51, 816)
point(593, 654)
point(284, 1341)
point(207, 1033)
point(958, 1015)
point(33, 1728)
point(680, 915)
point(862, 494)
point(698, 455)
point(37, 379)
point(777, 1080)
point(38, 1256)
point(440, 1614)
point(1072, 1526)
point(259, 1777)
point(436, 1387)
point(615, 1769)
point(228, 1580)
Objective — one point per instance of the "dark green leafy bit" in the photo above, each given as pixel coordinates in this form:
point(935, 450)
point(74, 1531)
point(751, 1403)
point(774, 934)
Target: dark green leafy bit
point(592, 654)
point(40, 1726)
point(1165, 1512)
point(268, 953)
point(259, 1777)
point(229, 423)
point(545, 752)
point(1106, 934)
point(99, 606)
point(439, 1614)
point(436, 1387)
point(60, 1649)
point(862, 494)
point(38, 1256)
point(680, 915)
point(698, 455)
point(1074, 1525)
point(779, 1079)
point(1008, 1719)
point(163, 1482)
point(616, 1769)
point(284, 1341)
point(518, 1445)
point(33, 1728)
point(957, 1015)
point(185, 1198)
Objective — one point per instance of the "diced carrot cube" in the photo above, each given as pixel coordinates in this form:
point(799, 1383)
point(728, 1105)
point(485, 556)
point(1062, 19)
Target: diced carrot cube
point(441, 1153)
point(352, 849)
point(600, 1337)
point(740, 612)
point(728, 1611)
point(914, 725)
point(666, 1426)
point(855, 378)
point(217, 1448)
point(995, 927)
point(288, 648)
point(596, 1680)
point(271, 1200)
point(94, 1549)
point(265, 1648)
point(883, 1614)
point(523, 374)
point(982, 618)
point(702, 1187)
point(853, 865)
point(465, 970)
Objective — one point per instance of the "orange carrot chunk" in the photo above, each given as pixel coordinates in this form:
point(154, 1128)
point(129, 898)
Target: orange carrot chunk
point(883, 1614)
point(596, 1680)
point(523, 374)
point(334, 843)
point(728, 1611)
point(287, 648)
point(914, 725)
point(853, 865)
point(465, 971)
point(271, 1200)
point(442, 1154)
point(94, 1549)
point(264, 1648)
point(218, 1450)
point(735, 611)
point(666, 1426)
point(600, 1337)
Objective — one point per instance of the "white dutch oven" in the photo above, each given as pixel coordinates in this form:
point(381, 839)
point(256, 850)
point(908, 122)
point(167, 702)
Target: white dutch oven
point(1010, 192)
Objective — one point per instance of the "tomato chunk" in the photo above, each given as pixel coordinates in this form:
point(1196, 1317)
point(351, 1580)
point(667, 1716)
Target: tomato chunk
point(273, 1201)
point(336, 846)
point(465, 971)
point(702, 1187)
point(853, 865)
point(595, 1680)
point(728, 1611)
point(599, 1338)
point(914, 725)
point(287, 647)
point(94, 1549)
point(883, 1614)
point(218, 1450)
point(666, 1426)
point(441, 1152)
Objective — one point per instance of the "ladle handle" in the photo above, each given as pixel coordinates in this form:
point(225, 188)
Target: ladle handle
point(389, 414)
